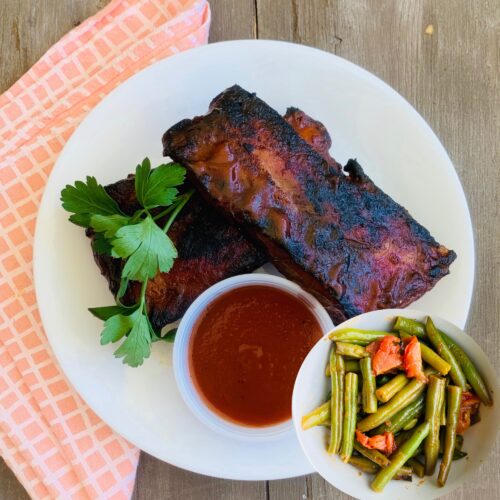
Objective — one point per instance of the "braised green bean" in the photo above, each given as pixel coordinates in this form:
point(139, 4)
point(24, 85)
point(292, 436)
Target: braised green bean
point(356, 336)
point(416, 467)
point(402, 455)
point(382, 379)
point(403, 417)
point(403, 398)
point(318, 416)
point(411, 424)
point(350, 415)
point(410, 326)
point(352, 350)
point(368, 388)
point(442, 418)
point(471, 373)
point(387, 391)
point(365, 465)
point(433, 403)
point(335, 401)
point(443, 350)
point(351, 365)
point(454, 399)
point(340, 369)
point(373, 455)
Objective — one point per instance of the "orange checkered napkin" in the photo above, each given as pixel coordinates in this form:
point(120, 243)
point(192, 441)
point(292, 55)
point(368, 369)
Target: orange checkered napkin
point(54, 443)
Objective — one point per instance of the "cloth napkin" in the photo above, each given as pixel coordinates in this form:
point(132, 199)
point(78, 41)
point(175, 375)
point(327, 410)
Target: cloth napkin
point(54, 443)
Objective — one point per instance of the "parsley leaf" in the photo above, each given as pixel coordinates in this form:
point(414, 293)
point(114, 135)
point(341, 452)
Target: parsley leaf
point(142, 244)
point(147, 249)
point(106, 312)
point(108, 224)
point(137, 346)
point(87, 199)
point(117, 326)
point(168, 337)
point(156, 187)
point(101, 245)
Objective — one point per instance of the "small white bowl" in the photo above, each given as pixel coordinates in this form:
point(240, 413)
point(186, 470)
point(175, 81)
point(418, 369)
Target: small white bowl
point(181, 352)
point(311, 388)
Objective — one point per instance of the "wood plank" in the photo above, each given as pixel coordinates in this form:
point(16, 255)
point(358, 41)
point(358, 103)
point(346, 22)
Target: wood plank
point(451, 77)
point(232, 20)
point(10, 487)
point(158, 480)
point(28, 28)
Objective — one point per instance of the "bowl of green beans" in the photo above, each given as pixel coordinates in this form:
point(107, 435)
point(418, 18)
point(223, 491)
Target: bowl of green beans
point(396, 404)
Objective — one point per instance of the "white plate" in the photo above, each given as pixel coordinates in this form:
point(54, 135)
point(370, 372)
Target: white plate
point(367, 120)
point(311, 387)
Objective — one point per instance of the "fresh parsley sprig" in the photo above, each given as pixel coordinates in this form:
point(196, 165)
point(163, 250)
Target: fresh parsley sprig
point(143, 245)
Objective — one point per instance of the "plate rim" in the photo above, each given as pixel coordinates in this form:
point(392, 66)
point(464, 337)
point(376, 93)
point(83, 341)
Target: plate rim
point(237, 45)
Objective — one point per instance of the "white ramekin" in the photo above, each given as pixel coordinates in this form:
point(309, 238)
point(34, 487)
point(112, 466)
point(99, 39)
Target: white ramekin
point(182, 373)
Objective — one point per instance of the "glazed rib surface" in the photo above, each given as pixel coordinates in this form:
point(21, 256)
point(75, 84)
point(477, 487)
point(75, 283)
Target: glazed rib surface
point(336, 233)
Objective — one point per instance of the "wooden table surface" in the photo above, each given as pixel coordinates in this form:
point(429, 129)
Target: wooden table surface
point(449, 75)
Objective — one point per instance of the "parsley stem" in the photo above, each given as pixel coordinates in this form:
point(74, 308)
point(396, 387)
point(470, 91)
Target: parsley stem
point(143, 292)
point(136, 216)
point(165, 212)
point(178, 208)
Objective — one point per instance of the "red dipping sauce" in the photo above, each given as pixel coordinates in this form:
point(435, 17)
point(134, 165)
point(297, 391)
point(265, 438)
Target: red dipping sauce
point(245, 352)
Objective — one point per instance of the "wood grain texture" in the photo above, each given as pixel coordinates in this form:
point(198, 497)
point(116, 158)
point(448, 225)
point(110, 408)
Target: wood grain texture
point(450, 77)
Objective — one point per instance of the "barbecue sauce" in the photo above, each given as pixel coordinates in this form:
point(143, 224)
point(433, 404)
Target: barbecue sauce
point(246, 350)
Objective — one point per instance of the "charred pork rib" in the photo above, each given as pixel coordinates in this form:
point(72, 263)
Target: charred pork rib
point(334, 232)
point(210, 248)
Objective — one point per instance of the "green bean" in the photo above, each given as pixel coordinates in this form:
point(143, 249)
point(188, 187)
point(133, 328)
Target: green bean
point(383, 379)
point(350, 411)
point(356, 336)
point(352, 350)
point(340, 370)
point(403, 437)
point(404, 473)
point(365, 465)
point(459, 442)
point(373, 455)
point(318, 416)
point(434, 360)
point(442, 417)
point(433, 404)
point(416, 467)
point(368, 389)
point(430, 357)
point(403, 417)
point(412, 423)
point(387, 391)
point(410, 326)
point(471, 373)
point(336, 397)
point(454, 400)
point(443, 350)
point(351, 365)
point(403, 398)
point(401, 456)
